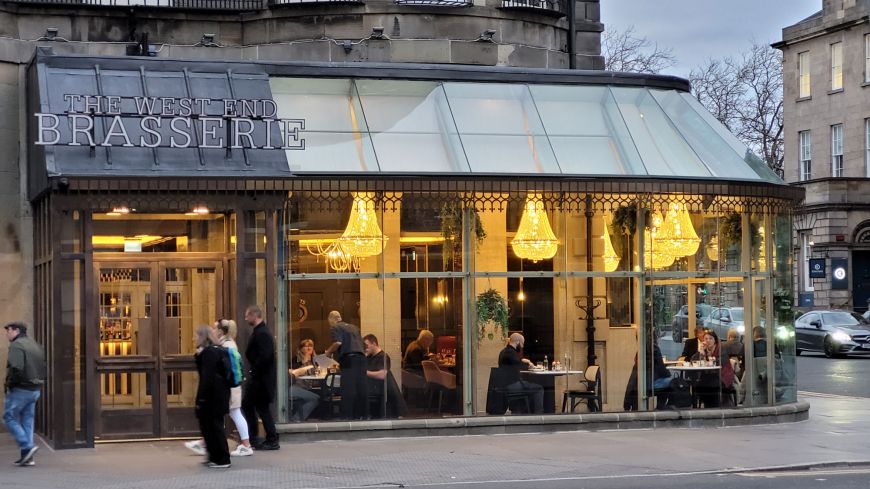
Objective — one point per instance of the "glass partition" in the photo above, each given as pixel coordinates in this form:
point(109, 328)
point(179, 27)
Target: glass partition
point(446, 279)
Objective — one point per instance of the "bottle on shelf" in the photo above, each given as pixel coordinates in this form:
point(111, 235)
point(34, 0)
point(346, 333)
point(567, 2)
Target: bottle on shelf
point(546, 363)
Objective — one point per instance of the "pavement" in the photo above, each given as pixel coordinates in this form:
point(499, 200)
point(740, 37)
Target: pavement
point(836, 434)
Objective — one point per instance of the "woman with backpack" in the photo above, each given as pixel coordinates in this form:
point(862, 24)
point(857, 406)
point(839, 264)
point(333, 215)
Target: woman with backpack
point(212, 397)
point(226, 331)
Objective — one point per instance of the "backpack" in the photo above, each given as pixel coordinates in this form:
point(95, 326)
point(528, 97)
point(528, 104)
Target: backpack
point(232, 366)
point(679, 397)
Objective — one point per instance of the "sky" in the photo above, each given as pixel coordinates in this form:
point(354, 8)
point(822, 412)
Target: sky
point(697, 30)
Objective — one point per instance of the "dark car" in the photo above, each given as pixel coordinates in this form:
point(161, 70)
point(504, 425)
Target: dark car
point(680, 325)
point(836, 333)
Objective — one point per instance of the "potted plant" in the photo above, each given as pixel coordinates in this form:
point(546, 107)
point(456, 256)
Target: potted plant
point(731, 232)
point(492, 309)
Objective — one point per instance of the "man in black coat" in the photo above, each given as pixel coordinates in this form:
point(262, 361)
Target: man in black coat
point(262, 381)
point(692, 344)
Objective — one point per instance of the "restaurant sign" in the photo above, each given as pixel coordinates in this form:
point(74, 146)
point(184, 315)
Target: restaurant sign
point(151, 122)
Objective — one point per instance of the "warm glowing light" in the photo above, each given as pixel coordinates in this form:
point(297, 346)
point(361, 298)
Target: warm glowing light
point(654, 256)
point(118, 211)
point(611, 259)
point(713, 248)
point(534, 239)
point(198, 211)
point(677, 236)
point(521, 296)
point(118, 241)
point(363, 238)
point(337, 258)
point(762, 263)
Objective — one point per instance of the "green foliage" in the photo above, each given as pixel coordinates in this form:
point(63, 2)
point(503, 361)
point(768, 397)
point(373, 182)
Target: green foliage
point(731, 232)
point(451, 231)
point(492, 308)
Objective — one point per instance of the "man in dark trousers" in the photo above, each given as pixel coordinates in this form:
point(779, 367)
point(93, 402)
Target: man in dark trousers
point(25, 376)
point(511, 360)
point(349, 347)
point(262, 381)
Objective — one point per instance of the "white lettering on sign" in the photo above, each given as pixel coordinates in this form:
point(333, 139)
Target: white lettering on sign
point(169, 121)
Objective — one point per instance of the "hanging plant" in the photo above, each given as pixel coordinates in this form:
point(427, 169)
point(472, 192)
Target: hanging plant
point(731, 232)
point(451, 231)
point(492, 308)
point(625, 224)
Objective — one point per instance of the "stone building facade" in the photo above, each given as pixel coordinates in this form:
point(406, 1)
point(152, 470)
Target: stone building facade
point(826, 79)
point(512, 33)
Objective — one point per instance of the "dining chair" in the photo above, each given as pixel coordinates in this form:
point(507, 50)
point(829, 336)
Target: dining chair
point(330, 395)
point(438, 380)
point(590, 393)
point(499, 399)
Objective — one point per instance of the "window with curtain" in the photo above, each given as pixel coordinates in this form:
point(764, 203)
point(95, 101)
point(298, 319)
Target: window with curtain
point(804, 74)
point(837, 150)
point(837, 66)
point(806, 155)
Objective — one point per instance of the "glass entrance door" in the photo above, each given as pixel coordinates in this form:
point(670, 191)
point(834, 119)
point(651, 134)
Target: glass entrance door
point(148, 315)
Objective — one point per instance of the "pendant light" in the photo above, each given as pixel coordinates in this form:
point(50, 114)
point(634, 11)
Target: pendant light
point(535, 239)
point(363, 237)
point(677, 236)
point(655, 257)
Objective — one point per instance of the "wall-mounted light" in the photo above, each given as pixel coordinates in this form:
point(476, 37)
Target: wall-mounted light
point(199, 210)
point(119, 211)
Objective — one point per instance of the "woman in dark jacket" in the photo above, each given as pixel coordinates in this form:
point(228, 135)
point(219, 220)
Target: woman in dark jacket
point(212, 397)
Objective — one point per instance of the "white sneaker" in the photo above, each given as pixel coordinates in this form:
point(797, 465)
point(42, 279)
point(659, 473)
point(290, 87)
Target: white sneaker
point(195, 446)
point(242, 451)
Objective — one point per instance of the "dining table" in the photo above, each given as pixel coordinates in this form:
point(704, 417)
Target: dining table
point(547, 380)
point(683, 370)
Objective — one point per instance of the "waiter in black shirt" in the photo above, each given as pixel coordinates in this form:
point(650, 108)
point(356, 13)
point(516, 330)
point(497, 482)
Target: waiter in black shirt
point(349, 347)
point(510, 359)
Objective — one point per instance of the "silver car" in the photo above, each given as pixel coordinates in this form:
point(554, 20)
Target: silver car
point(836, 333)
point(724, 318)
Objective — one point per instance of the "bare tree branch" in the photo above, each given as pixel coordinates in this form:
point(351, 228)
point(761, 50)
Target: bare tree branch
point(745, 95)
point(626, 51)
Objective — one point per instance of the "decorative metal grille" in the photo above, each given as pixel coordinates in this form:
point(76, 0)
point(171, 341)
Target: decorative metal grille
point(436, 3)
point(230, 5)
point(273, 3)
point(556, 7)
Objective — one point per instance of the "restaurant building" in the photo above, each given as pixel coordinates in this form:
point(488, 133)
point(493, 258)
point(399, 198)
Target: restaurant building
point(167, 193)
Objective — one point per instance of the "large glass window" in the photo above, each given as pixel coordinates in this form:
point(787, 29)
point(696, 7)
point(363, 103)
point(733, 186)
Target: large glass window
point(837, 66)
point(804, 74)
point(837, 150)
point(806, 155)
point(124, 230)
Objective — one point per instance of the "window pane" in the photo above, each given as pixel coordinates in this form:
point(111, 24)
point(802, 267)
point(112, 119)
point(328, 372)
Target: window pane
point(500, 127)
point(411, 118)
point(663, 150)
point(804, 74)
point(836, 66)
point(335, 132)
point(719, 157)
point(587, 131)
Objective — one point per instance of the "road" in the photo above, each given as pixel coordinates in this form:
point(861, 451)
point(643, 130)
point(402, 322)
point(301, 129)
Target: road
point(839, 376)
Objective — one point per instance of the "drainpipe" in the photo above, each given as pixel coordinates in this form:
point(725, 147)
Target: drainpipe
point(572, 35)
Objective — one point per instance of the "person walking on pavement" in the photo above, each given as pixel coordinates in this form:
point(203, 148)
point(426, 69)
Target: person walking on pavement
point(349, 345)
point(262, 382)
point(226, 331)
point(25, 376)
point(212, 397)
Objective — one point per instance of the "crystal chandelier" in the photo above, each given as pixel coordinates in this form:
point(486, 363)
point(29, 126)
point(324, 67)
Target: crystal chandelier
point(534, 239)
point(611, 259)
point(335, 256)
point(362, 238)
point(676, 235)
point(654, 255)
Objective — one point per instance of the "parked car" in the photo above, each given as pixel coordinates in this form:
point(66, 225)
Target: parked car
point(836, 333)
point(724, 318)
point(680, 324)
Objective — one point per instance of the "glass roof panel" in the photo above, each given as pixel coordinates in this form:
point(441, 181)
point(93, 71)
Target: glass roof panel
point(717, 154)
point(500, 129)
point(335, 133)
point(411, 126)
point(586, 130)
point(749, 158)
point(663, 149)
